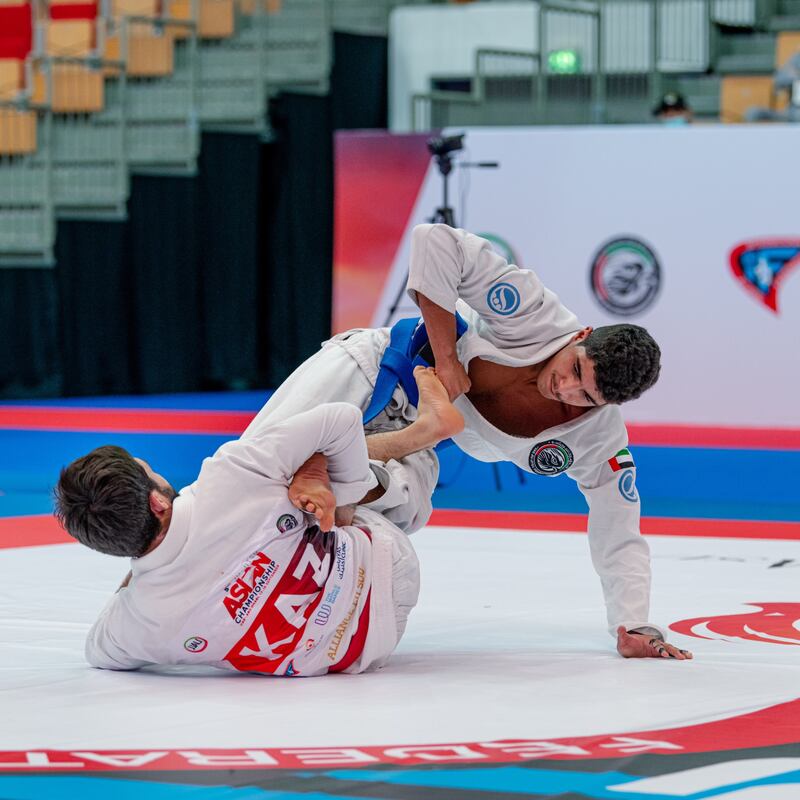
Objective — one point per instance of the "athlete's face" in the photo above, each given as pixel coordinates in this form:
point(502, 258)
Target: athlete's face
point(568, 376)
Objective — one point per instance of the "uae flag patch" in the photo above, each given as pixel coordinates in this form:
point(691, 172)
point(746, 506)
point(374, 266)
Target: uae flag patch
point(621, 460)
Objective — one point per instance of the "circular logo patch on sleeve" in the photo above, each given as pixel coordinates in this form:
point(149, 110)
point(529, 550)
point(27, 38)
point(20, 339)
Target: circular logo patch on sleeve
point(550, 458)
point(195, 644)
point(627, 486)
point(286, 522)
point(503, 299)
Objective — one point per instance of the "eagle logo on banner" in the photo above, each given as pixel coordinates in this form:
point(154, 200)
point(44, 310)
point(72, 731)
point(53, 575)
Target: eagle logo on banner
point(774, 623)
point(761, 265)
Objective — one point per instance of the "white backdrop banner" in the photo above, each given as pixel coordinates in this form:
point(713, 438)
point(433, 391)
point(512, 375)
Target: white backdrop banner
point(693, 233)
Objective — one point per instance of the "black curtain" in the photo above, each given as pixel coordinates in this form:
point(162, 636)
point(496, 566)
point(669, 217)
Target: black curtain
point(166, 301)
point(223, 280)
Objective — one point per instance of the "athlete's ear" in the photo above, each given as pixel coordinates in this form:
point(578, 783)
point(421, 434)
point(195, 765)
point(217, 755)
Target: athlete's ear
point(159, 503)
point(582, 334)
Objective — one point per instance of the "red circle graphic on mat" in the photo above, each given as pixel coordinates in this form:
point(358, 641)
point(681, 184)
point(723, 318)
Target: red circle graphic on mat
point(773, 623)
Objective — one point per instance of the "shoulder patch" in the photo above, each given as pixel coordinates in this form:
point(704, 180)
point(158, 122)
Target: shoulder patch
point(627, 486)
point(286, 522)
point(503, 298)
point(621, 460)
point(550, 458)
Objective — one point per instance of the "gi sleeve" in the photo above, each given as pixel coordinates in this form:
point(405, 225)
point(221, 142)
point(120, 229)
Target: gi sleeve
point(334, 429)
point(448, 264)
point(104, 647)
point(620, 555)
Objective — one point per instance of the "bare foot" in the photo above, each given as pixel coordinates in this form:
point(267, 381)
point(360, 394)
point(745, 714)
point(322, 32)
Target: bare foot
point(436, 415)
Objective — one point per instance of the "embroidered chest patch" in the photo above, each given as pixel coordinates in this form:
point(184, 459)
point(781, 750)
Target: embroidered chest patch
point(550, 458)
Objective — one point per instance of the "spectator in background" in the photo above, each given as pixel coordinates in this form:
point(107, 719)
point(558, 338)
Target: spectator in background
point(787, 79)
point(673, 109)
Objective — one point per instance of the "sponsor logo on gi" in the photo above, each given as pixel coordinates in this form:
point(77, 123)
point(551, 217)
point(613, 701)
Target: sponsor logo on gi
point(326, 607)
point(286, 523)
point(341, 559)
point(761, 265)
point(195, 644)
point(627, 486)
point(550, 458)
point(338, 635)
point(773, 623)
point(244, 590)
point(625, 276)
point(290, 670)
point(503, 299)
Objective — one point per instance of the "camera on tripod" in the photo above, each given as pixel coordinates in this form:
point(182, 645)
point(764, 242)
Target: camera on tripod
point(442, 145)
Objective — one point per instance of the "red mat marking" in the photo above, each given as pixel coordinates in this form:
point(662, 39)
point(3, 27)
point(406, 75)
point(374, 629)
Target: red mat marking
point(232, 423)
point(703, 436)
point(31, 531)
point(769, 727)
point(652, 526)
point(227, 423)
point(44, 529)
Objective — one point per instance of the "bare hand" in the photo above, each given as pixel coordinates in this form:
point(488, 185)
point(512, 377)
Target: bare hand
point(453, 377)
point(310, 491)
point(645, 645)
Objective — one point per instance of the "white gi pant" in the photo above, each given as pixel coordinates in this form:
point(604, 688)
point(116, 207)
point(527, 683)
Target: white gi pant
point(344, 370)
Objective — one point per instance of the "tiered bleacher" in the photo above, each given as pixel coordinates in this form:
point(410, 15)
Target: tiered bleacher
point(91, 92)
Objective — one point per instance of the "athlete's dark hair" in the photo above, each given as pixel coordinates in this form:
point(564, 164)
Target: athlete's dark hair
point(102, 500)
point(627, 361)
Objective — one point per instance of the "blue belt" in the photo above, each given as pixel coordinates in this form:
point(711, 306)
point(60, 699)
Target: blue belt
point(407, 338)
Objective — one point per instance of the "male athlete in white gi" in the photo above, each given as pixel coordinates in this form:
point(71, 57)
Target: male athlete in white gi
point(245, 568)
point(535, 388)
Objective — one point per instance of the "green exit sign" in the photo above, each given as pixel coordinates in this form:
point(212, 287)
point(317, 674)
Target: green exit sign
point(564, 62)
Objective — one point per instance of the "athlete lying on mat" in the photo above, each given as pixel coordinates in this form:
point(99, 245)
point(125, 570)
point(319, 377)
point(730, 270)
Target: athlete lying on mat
point(230, 573)
point(535, 388)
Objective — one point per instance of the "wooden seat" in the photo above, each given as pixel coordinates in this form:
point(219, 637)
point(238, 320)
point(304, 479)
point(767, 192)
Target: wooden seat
point(75, 89)
point(10, 78)
point(740, 92)
point(17, 132)
point(135, 8)
point(786, 45)
point(216, 17)
point(149, 55)
point(69, 37)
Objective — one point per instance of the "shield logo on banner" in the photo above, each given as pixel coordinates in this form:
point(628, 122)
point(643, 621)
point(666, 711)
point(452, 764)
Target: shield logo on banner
point(775, 623)
point(761, 265)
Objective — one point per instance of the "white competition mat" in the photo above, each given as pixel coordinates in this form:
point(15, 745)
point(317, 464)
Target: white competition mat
point(508, 642)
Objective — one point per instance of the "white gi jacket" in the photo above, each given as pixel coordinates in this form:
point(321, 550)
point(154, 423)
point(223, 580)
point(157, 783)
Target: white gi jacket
point(514, 320)
point(245, 581)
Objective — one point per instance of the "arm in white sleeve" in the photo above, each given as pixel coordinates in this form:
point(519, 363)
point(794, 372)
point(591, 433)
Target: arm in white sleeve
point(334, 429)
point(448, 264)
point(103, 648)
point(620, 555)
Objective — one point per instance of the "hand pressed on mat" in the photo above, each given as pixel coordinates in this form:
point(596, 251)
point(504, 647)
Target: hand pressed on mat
point(645, 645)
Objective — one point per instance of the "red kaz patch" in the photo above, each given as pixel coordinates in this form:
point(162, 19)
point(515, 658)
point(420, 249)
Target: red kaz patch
point(775, 623)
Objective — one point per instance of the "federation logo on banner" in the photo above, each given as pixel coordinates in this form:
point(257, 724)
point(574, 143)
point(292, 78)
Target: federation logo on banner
point(773, 623)
point(625, 276)
point(550, 458)
point(760, 266)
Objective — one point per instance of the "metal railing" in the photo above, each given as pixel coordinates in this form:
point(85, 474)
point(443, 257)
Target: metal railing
point(592, 62)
